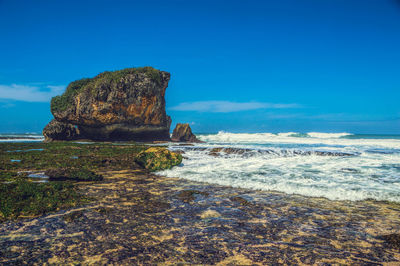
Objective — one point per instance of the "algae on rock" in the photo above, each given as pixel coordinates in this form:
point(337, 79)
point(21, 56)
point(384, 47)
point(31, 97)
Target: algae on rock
point(156, 158)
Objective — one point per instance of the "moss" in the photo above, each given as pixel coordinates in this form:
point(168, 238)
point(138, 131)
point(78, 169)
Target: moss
point(60, 103)
point(23, 198)
point(155, 159)
point(73, 174)
point(11, 176)
point(55, 155)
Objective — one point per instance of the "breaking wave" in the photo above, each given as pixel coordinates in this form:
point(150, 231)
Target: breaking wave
point(338, 166)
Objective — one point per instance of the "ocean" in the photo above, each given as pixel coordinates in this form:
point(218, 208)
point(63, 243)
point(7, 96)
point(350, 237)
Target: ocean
point(25, 137)
point(337, 166)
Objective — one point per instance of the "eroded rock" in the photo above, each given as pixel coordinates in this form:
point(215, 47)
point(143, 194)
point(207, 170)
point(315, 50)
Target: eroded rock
point(56, 130)
point(127, 104)
point(183, 133)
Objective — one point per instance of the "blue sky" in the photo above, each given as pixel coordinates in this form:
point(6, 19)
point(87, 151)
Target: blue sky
point(240, 66)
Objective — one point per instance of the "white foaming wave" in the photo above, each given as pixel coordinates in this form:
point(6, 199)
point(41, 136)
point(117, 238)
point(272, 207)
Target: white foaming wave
point(227, 137)
point(287, 134)
point(322, 135)
point(22, 140)
point(336, 178)
point(289, 138)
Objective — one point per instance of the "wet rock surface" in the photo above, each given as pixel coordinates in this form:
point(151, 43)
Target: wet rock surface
point(157, 158)
point(56, 130)
point(183, 133)
point(139, 218)
point(61, 174)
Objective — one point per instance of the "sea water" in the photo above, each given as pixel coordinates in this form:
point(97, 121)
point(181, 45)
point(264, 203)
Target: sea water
point(25, 137)
point(338, 166)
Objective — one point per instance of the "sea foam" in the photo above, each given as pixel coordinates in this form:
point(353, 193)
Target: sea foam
point(320, 165)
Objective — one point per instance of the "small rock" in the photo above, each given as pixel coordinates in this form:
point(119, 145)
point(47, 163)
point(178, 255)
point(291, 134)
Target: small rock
point(189, 195)
point(210, 214)
point(183, 133)
point(393, 240)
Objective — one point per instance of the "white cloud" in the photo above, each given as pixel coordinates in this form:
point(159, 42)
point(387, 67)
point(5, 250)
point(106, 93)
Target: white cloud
point(28, 93)
point(227, 106)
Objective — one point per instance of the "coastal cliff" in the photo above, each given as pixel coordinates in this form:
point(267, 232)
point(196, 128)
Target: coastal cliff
point(126, 104)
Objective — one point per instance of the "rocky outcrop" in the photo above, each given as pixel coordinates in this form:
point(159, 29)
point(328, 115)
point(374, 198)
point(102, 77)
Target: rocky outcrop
point(58, 130)
point(127, 104)
point(183, 133)
point(156, 158)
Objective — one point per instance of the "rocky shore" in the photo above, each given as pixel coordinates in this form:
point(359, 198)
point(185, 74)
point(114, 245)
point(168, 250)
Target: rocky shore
point(135, 217)
point(100, 202)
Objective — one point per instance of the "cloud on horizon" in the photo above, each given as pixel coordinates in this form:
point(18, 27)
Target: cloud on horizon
point(28, 93)
point(228, 107)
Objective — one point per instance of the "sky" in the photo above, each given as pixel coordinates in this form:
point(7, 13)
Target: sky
point(236, 66)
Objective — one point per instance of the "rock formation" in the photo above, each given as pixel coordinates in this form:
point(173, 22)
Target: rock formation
point(183, 133)
point(59, 130)
point(127, 104)
point(156, 158)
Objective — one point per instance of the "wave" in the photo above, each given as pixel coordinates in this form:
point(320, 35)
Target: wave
point(321, 135)
point(331, 174)
point(301, 139)
point(278, 152)
point(20, 137)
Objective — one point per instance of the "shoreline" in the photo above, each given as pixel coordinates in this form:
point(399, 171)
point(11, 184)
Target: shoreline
point(138, 217)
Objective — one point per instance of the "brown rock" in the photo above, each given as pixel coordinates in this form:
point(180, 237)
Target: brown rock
point(183, 133)
point(127, 104)
point(61, 131)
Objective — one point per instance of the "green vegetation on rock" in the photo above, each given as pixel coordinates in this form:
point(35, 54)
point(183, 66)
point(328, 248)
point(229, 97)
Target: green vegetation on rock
point(60, 103)
point(155, 159)
point(115, 76)
point(21, 197)
point(24, 199)
point(72, 174)
point(59, 155)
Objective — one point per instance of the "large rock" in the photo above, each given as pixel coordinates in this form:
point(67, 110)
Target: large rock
point(127, 104)
point(156, 158)
point(58, 130)
point(183, 133)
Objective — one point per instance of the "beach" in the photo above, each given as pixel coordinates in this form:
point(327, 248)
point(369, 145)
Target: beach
point(137, 217)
